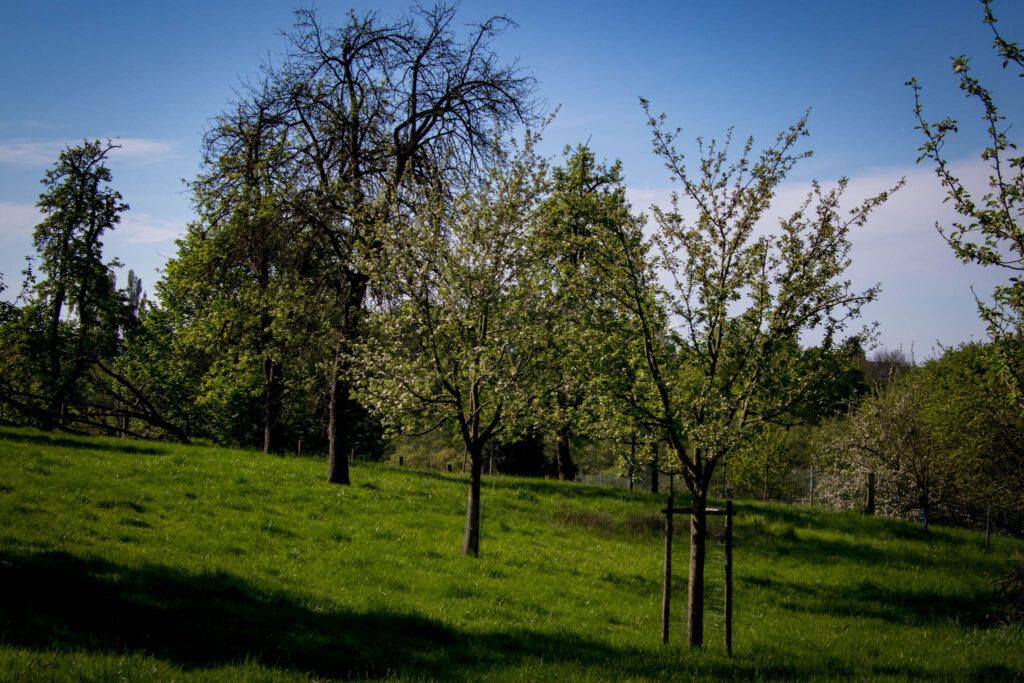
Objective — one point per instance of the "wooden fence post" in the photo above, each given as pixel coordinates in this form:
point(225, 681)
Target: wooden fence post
point(666, 583)
point(812, 485)
point(988, 524)
point(869, 504)
point(728, 578)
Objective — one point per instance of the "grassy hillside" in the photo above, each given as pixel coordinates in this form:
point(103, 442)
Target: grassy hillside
point(138, 561)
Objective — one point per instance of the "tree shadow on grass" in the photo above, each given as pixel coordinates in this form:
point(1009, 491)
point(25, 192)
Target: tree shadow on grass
point(55, 600)
point(849, 538)
point(848, 521)
point(867, 599)
point(77, 443)
point(58, 602)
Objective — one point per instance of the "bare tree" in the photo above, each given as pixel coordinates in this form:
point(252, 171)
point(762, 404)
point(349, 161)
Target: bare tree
point(360, 113)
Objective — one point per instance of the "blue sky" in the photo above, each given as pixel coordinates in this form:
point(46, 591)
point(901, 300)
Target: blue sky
point(153, 75)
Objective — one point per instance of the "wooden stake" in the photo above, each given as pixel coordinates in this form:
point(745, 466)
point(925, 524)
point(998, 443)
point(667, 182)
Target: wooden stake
point(988, 524)
point(666, 583)
point(728, 578)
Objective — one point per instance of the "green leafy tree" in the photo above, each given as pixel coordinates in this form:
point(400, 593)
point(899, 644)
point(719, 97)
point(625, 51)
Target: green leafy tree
point(990, 232)
point(371, 106)
point(978, 428)
point(943, 438)
point(582, 195)
point(60, 347)
point(459, 336)
point(79, 209)
point(712, 352)
point(240, 265)
point(763, 456)
point(208, 328)
point(72, 305)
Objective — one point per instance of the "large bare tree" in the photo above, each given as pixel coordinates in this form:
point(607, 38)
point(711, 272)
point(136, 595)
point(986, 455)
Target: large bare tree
point(355, 115)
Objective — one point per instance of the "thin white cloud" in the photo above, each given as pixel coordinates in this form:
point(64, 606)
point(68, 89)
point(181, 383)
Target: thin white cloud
point(28, 123)
point(140, 228)
point(906, 221)
point(17, 221)
point(28, 153)
point(926, 292)
point(40, 153)
point(142, 150)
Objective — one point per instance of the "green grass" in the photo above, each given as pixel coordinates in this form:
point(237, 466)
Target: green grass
point(123, 560)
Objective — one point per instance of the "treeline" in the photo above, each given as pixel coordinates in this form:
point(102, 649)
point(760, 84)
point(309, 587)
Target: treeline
point(943, 440)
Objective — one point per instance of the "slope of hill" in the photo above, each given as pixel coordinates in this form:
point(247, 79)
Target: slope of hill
point(142, 561)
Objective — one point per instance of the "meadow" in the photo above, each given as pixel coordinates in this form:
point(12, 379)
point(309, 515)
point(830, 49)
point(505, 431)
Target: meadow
point(130, 560)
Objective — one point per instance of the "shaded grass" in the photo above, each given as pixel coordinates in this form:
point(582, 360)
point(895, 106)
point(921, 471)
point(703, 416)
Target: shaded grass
point(165, 562)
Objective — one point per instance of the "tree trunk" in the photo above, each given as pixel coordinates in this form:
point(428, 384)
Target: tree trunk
point(471, 540)
point(273, 386)
point(54, 411)
point(338, 441)
point(566, 467)
point(273, 390)
point(869, 502)
point(666, 581)
point(341, 420)
point(923, 500)
point(698, 541)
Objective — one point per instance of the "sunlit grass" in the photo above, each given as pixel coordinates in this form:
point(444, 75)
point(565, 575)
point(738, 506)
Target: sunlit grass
point(138, 561)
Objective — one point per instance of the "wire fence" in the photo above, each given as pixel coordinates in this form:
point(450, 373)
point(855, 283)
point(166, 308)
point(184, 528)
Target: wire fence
point(842, 491)
point(715, 576)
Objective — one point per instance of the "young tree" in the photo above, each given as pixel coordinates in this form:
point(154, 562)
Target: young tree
point(888, 435)
point(992, 230)
point(712, 354)
point(458, 337)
